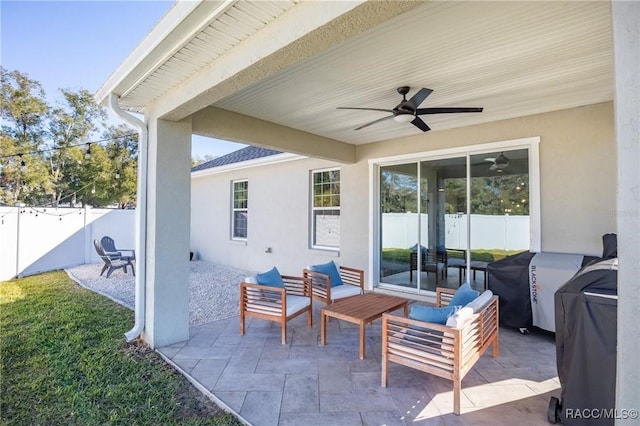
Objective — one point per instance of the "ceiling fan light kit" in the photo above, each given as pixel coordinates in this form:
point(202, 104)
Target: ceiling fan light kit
point(407, 111)
point(403, 118)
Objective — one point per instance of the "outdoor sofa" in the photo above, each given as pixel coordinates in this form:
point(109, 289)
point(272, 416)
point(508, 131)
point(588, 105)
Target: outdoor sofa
point(446, 350)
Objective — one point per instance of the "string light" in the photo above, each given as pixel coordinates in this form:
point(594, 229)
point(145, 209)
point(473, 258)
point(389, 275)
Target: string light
point(52, 204)
point(117, 174)
point(87, 156)
point(20, 154)
point(23, 165)
point(37, 212)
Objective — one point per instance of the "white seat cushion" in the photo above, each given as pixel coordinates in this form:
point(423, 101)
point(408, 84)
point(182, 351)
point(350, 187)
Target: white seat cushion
point(297, 303)
point(344, 290)
point(480, 302)
point(476, 305)
point(459, 318)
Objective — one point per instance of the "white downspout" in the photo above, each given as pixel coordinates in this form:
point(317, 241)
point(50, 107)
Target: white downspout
point(141, 218)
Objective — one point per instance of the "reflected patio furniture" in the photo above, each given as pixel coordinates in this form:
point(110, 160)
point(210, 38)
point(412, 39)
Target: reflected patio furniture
point(429, 263)
point(112, 261)
point(457, 258)
point(475, 265)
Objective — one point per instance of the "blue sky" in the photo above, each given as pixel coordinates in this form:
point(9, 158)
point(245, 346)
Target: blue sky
point(78, 44)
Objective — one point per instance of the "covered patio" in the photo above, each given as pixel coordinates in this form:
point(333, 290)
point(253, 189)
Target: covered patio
point(273, 74)
point(303, 383)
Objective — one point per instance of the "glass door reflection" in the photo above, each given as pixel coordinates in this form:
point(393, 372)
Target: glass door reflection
point(399, 223)
point(443, 197)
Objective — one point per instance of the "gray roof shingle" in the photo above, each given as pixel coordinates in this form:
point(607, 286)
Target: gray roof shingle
point(244, 154)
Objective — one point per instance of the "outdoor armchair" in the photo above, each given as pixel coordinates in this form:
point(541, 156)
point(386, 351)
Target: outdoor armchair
point(274, 297)
point(446, 347)
point(110, 249)
point(330, 282)
point(112, 261)
point(430, 261)
point(457, 258)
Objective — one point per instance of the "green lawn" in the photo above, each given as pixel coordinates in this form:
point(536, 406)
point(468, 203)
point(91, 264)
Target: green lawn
point(64, 360)
point(402, 255)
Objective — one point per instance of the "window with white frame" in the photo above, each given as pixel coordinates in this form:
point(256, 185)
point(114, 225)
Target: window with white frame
point(239, 209)
point(325, 209)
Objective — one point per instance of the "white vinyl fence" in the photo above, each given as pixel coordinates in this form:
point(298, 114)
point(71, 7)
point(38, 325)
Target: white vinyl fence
point(400, 230)
point(37, 239)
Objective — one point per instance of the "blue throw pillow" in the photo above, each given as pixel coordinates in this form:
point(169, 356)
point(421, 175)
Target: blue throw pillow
point(432, 314)
point(464, 295)
point(423, 249)
point(270, 278)
point(330, 269)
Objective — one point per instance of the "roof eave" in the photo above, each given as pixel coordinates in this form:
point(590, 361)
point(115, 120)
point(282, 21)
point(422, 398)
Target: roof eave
point(165, 38)
point(256, 162)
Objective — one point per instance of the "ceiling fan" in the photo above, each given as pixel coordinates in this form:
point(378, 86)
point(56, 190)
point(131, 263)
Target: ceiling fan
point(502, 162)
point(407, 111)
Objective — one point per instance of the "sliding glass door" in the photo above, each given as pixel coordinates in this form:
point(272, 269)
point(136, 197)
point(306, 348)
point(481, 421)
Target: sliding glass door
point(443, 220)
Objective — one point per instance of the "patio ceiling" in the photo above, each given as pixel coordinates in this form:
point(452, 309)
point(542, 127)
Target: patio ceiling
point(512, 58)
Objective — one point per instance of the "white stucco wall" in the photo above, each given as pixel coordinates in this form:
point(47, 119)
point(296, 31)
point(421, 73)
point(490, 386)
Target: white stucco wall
point(279, 201)
point(626, 35)
point(167, 233)
point(577, 157)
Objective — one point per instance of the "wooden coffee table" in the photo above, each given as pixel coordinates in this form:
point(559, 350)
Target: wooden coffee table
point(361, 310)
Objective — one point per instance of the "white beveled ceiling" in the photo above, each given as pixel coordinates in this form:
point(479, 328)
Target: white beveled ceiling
point(511, 58)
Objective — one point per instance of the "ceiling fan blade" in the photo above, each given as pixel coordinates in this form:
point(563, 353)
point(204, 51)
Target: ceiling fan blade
point(492, 160)
point(373, 122)
point(502, 162)
point(417, 99)
point(368, 109)
point(493, 166)
point(422, 111)
point(420, 124)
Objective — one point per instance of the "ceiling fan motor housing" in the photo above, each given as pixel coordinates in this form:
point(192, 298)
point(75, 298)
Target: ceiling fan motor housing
point(403, 90)
point(407, 111)
point(502, 161)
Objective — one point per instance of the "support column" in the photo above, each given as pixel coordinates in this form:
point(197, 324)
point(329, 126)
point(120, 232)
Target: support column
point(626, 45)
point(168, 232)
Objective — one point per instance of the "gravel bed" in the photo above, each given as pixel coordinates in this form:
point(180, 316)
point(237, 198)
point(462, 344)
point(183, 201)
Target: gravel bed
point(214, 289)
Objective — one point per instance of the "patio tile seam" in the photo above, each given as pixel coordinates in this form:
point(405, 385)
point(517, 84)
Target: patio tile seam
point(204, 390)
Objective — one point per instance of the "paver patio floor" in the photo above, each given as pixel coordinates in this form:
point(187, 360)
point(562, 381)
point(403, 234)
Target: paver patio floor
point(302, 383)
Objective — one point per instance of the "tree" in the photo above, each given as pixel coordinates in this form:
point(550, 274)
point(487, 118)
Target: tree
point(398, 192)
point(501, 194)
point(23, 111)
point(196, 160)
point(52, 155)
point(122, 151)
point(72, 123)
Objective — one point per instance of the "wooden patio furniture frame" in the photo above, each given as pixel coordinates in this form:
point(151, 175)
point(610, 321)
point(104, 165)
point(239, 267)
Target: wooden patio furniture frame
point(321, 283)
point(437, 349)
point(360, 310)
point(270, 303)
